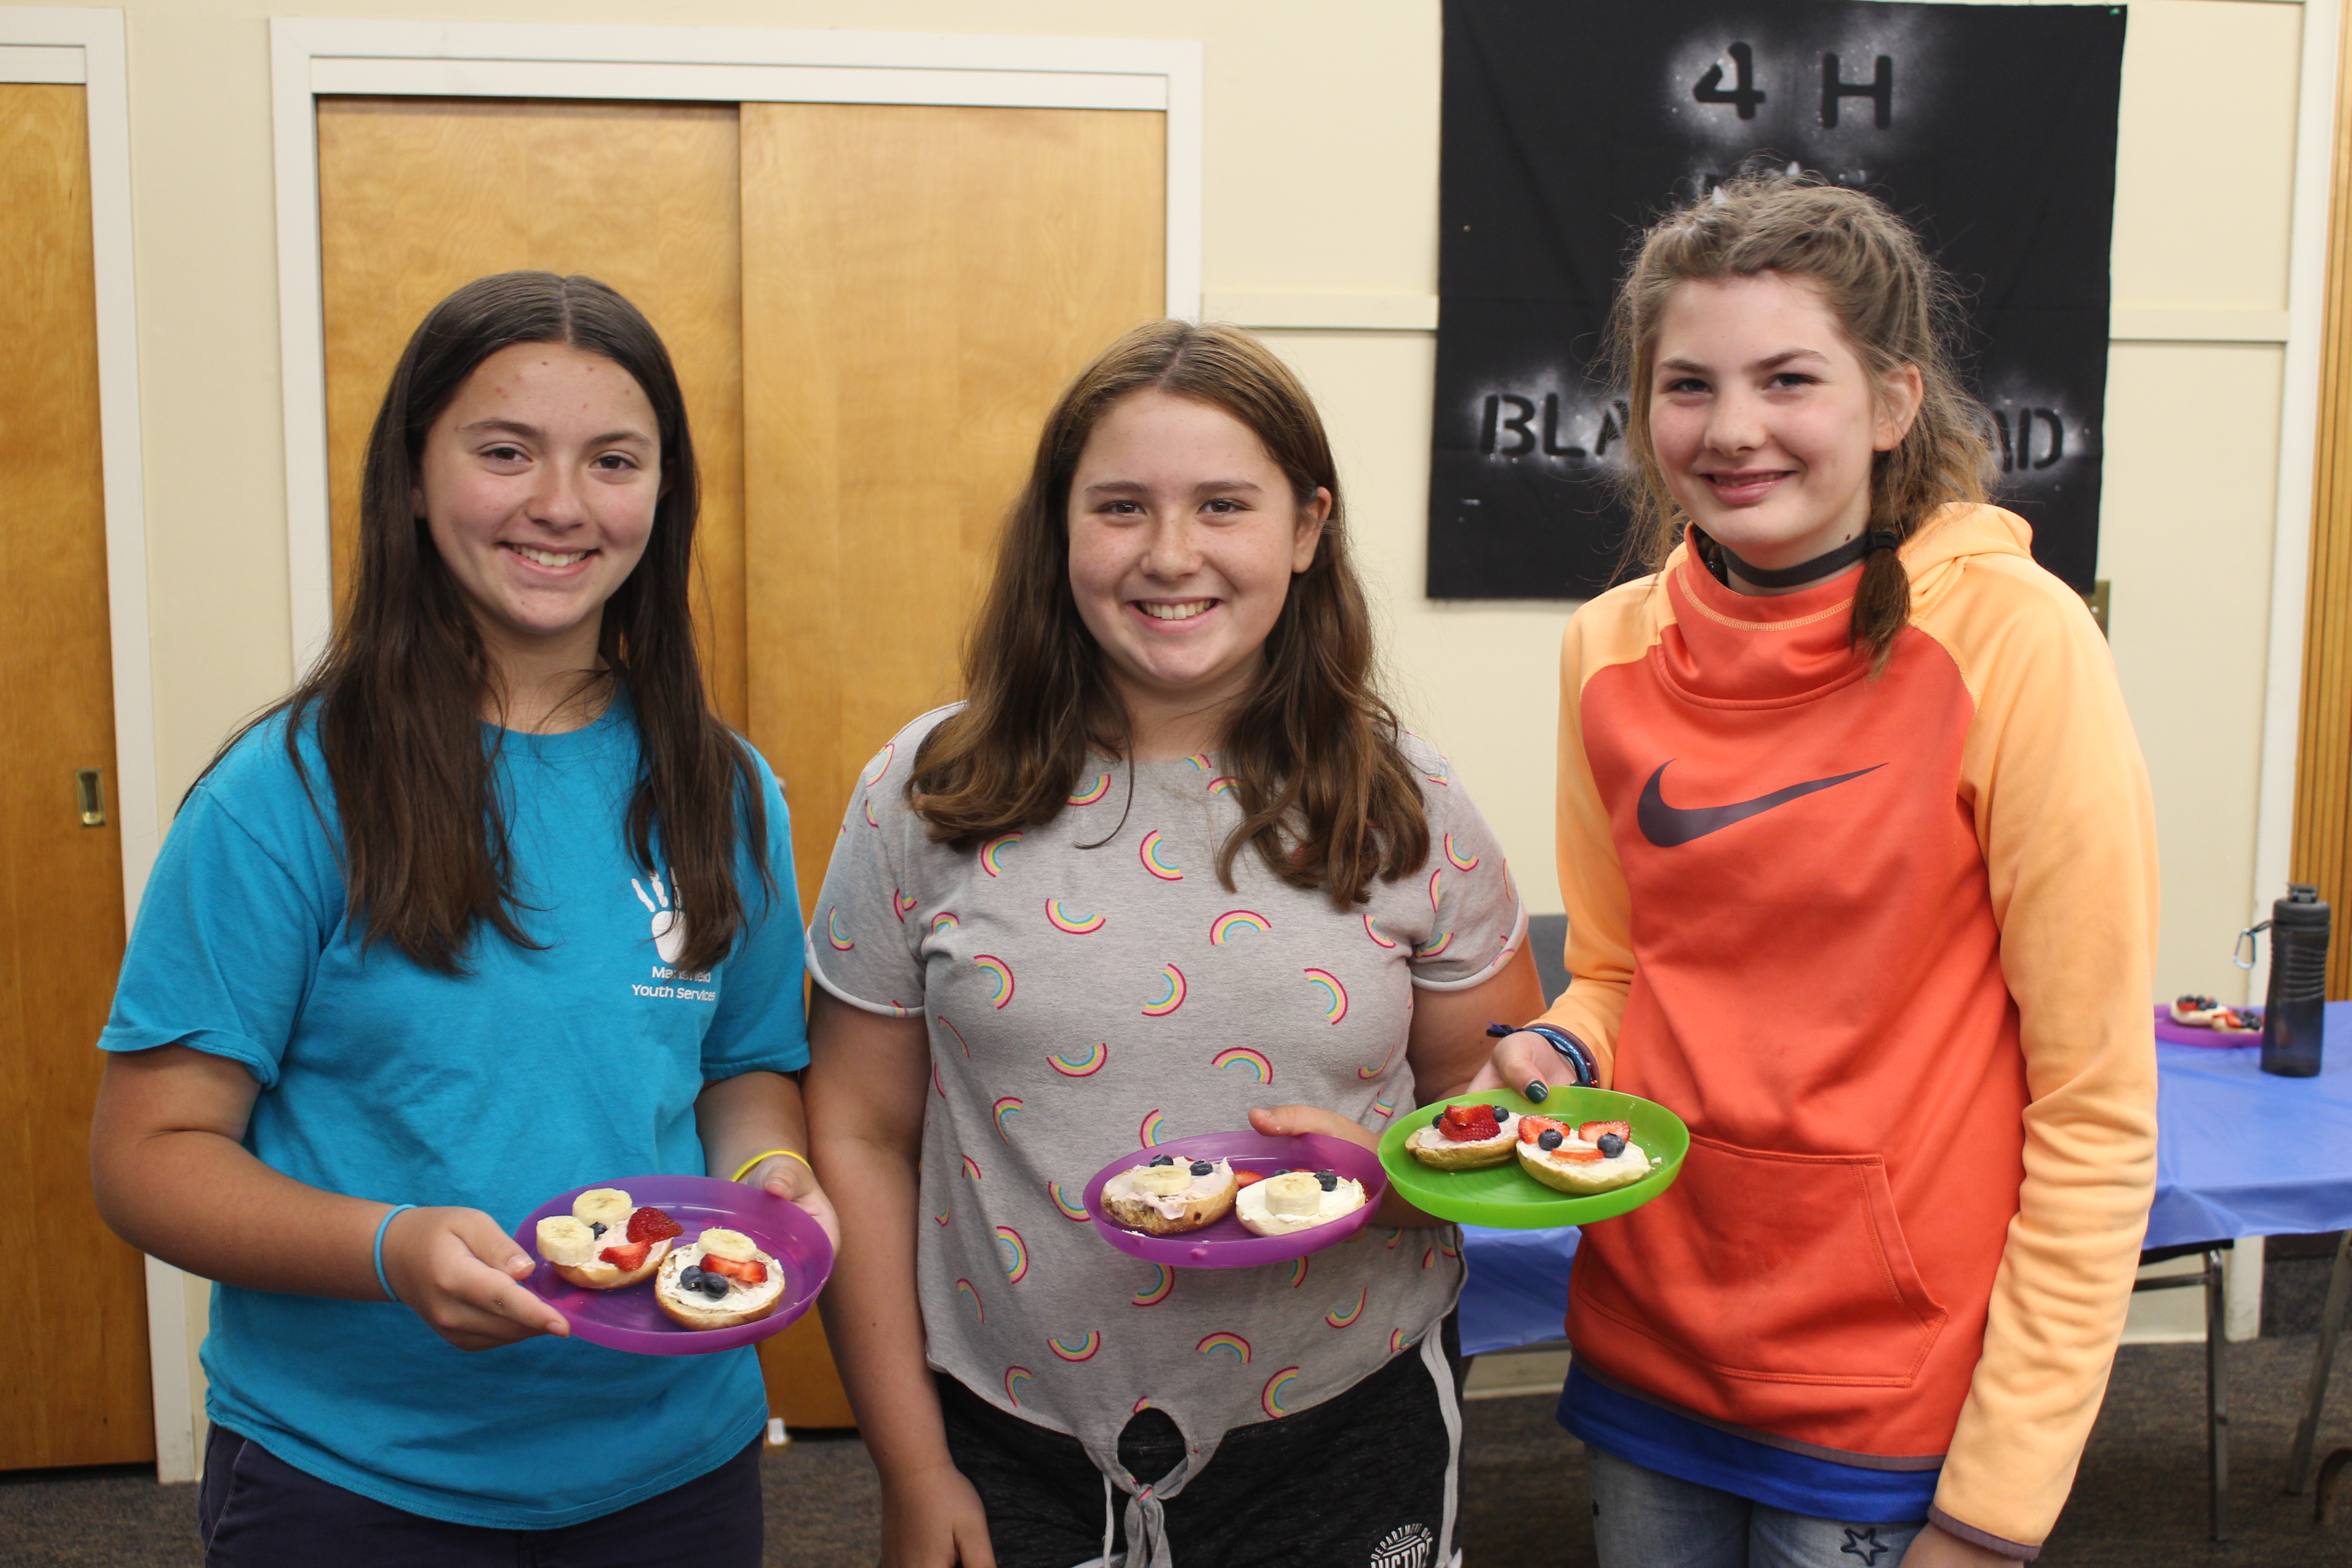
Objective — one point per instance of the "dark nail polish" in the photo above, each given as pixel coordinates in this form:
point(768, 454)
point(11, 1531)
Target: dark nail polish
point(1538, 1090)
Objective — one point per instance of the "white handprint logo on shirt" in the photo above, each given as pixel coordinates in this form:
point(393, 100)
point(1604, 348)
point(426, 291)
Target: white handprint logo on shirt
point(669, 923)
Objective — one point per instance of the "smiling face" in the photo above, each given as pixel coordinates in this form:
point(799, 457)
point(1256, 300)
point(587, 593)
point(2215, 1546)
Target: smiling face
point(538, 484)
point(1184, 535)
point(1765, 419)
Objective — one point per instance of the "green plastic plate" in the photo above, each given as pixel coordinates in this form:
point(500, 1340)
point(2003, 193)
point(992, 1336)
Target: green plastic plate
point(1508, 1198)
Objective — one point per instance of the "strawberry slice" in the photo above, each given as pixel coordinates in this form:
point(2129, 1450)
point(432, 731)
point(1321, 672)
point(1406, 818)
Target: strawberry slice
point(1468, 1124)
point(749, 1271)
point(1592, 1130)
point(652, 1225)
point(1576, 1156)
point(1245, 1178)
point(1534, 1127)
point(627, 1256)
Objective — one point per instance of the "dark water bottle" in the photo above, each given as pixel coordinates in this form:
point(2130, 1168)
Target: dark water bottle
point(2298, 988)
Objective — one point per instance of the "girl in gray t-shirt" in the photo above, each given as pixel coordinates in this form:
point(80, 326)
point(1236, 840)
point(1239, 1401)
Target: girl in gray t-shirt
point(1170, 869)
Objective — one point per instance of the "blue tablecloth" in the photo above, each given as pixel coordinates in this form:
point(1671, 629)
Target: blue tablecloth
point(2238, 1152)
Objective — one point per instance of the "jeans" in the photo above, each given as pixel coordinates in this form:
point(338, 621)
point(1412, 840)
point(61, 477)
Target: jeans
point(1642, 1519)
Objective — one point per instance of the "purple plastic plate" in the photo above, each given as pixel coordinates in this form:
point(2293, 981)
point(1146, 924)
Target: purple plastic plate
point(1228, 1244)
point(2173, 1034)
point(627, 1318)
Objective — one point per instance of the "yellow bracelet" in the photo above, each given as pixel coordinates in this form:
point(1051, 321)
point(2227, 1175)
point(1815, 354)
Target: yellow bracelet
point(787, 1154)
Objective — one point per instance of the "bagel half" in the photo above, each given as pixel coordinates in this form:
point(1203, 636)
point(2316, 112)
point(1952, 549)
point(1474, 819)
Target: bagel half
point(1432, 1147)
point(693, 1311)
point(1586, 1176)
point(598, 1275)
point(1204, 1200)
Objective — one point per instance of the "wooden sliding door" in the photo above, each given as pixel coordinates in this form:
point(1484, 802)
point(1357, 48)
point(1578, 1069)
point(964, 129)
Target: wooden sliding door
point(919, 285)
point(73, 1310)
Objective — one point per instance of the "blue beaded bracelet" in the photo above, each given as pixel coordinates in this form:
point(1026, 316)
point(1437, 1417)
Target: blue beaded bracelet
point(381, 1227)
point(1571, 1050)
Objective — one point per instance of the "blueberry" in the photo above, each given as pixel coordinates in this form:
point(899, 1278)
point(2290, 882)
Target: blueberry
point(595, 1228)
point(1164, 1159)
point(1328, 1180)
point(713, 1285)
point(1548, 1139)
point(1612, 1145)
point(1502, 1113)
point(690, 1278)
point(1203, 1168)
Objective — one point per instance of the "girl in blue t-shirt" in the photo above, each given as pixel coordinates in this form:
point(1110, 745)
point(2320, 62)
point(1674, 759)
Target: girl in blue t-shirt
point(492, 906)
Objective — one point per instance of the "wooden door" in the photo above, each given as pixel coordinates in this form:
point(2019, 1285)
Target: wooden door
point(73, 1328)
point(900, 293)
point(919, 285)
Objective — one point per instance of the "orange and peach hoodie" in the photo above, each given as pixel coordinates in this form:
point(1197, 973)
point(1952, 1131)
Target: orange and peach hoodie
point(1884, 941)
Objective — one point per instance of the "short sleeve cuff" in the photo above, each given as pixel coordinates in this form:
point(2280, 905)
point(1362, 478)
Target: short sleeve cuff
point(1441, 980)
point(1986, 1538)
point(775, 1061)
point(125, 1038)
point(833, 989)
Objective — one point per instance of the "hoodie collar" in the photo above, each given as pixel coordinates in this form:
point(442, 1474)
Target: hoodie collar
point(1755, 650)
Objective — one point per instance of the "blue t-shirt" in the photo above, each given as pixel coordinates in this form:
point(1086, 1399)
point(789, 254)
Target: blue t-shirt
point(540, 1071)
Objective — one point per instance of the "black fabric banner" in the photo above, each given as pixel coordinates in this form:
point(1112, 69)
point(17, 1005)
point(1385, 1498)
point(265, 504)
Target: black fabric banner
point(1571, 125)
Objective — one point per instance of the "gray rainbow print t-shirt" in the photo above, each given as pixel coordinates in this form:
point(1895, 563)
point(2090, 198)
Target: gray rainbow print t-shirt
point(1090, 991)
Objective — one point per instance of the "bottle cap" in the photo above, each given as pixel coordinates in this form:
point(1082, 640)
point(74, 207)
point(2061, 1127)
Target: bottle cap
point(2300, 909)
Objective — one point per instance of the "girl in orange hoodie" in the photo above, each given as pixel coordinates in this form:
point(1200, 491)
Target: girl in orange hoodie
point(1858, 856)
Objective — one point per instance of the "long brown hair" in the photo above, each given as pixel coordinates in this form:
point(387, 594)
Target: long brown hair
point(1897, 307)
point(402, 688)
point(1328, 799)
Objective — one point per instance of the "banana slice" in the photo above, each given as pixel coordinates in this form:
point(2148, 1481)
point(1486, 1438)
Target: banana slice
point(1166, 1181)
point(565, 1240)
point(607, 1207)
point(1292, 1193)
point(732, 1245)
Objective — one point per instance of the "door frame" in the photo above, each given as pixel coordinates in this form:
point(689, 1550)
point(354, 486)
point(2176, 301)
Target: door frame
point(2315, 153)
point(729, 65)
point(70, 44)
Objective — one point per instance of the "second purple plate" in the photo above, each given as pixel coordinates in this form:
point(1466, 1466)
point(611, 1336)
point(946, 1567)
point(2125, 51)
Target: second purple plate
point(1229, 1243)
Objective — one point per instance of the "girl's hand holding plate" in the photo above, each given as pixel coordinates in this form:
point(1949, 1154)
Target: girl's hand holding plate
point(1521, 1058)
point(457, 1270)
point(790, 1177)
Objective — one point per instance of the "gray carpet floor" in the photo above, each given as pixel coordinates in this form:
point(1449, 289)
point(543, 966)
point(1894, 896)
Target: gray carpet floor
point(2139, 1501)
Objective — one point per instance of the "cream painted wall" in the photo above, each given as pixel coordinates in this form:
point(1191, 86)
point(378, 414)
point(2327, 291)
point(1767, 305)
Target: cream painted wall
point(1321, 162)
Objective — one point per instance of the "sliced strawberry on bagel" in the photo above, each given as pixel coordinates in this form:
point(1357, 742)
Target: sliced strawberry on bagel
point(652, 1225)
point(627, 1256)
point(1468, 1124)
point(1592, 1130)
point(743, 1271)
point(1532, 1128)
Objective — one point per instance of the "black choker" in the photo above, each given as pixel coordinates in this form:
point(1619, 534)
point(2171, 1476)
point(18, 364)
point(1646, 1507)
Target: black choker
point(1805, 571)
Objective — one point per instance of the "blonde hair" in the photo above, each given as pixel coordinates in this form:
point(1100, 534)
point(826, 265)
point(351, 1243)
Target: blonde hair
point(1895, 307)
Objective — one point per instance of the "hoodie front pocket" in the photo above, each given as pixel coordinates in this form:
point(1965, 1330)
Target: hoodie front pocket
point(1786, 1268)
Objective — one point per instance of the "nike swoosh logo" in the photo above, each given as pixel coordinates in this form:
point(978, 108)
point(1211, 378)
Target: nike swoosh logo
point(1667, 825)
